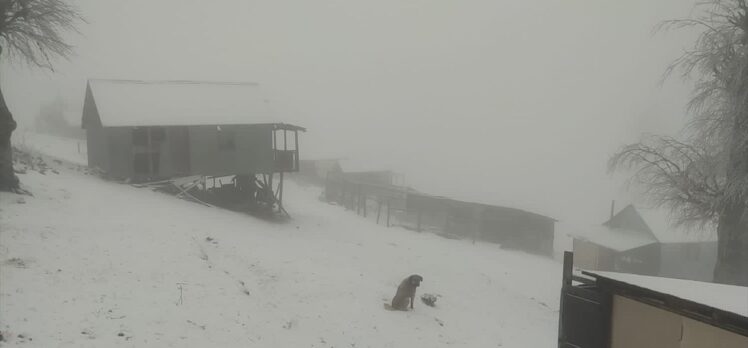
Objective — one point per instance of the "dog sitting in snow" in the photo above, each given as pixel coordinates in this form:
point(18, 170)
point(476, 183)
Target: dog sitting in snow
point(406, 293)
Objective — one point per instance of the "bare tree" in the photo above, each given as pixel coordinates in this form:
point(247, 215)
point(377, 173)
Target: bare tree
point(705, 179)
point(31, 32)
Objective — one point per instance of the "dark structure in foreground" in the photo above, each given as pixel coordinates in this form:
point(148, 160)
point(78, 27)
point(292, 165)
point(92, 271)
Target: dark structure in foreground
point(617, 310)
point(147, 131)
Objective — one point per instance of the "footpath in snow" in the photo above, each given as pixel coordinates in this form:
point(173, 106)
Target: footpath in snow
point(91, 263)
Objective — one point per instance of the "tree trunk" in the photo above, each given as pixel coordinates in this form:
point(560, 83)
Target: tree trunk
point(732, 246)
point(732, 229)
point(8, 179)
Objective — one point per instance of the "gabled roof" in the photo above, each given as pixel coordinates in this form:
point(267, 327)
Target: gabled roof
point(634, 227)
point(116, 103)
point(617, 239)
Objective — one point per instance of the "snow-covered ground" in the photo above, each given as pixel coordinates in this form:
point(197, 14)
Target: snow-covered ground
point(91, 263)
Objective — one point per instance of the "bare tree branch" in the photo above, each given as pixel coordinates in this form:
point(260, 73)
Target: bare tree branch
point(31, 30)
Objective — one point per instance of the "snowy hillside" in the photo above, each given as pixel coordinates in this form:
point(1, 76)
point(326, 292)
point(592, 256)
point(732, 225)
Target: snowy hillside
point(91, 263)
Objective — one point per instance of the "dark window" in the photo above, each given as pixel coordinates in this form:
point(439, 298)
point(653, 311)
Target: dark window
point(226, 141)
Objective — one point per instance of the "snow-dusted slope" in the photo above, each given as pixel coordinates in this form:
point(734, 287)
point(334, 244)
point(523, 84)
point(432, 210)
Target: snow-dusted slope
point(90, 263)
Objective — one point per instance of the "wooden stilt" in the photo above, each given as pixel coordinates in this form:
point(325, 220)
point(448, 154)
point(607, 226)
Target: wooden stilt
point(280, 191)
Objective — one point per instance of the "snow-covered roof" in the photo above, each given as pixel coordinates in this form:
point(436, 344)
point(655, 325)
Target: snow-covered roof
point(664, 228)
point(616, 239)
point(161, 103)
point(729, 298)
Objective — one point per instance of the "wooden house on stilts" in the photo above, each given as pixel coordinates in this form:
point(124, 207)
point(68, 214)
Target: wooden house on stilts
point(154, 130)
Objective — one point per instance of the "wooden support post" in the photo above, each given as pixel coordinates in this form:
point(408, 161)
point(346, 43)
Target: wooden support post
point(568, 268)
point(275, 143)
point(280, 192)
point(357, 199)
point(566, 277)
point(388, 213)
point(346, 196)
point(351, 197)
point(327, 187)
point(363, 202)
point(379, 210)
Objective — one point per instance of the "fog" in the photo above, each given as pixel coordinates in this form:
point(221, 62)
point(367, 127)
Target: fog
point(510, 102)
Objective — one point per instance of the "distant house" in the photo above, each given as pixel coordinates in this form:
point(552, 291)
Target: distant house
point(646, 242)
point(158, 129)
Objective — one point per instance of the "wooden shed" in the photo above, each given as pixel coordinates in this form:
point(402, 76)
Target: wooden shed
point(511, 227)
point(146, 130)
point(618, 310)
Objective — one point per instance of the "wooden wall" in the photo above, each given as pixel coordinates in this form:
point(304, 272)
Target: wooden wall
point(186, 150)
point(639, 325)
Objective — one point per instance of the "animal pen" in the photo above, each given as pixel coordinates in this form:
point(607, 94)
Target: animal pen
point(206, 141)
point(397, 205)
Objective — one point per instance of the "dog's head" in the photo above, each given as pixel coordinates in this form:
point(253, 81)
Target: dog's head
point(415, 280)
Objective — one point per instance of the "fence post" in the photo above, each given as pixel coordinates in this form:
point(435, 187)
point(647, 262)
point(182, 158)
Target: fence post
point(388, 213)
point(363, 202)
point(379, 209)
point(566, 277)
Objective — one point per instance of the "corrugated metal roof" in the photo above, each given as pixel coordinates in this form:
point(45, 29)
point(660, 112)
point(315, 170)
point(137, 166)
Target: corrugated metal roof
point(162, 103)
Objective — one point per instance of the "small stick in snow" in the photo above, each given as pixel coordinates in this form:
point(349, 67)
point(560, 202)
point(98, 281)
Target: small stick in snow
point(181, 298)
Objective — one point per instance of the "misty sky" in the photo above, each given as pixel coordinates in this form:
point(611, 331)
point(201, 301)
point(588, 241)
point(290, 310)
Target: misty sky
point(515, 101)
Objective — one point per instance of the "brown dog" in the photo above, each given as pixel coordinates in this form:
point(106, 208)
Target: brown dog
point(406, 292)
